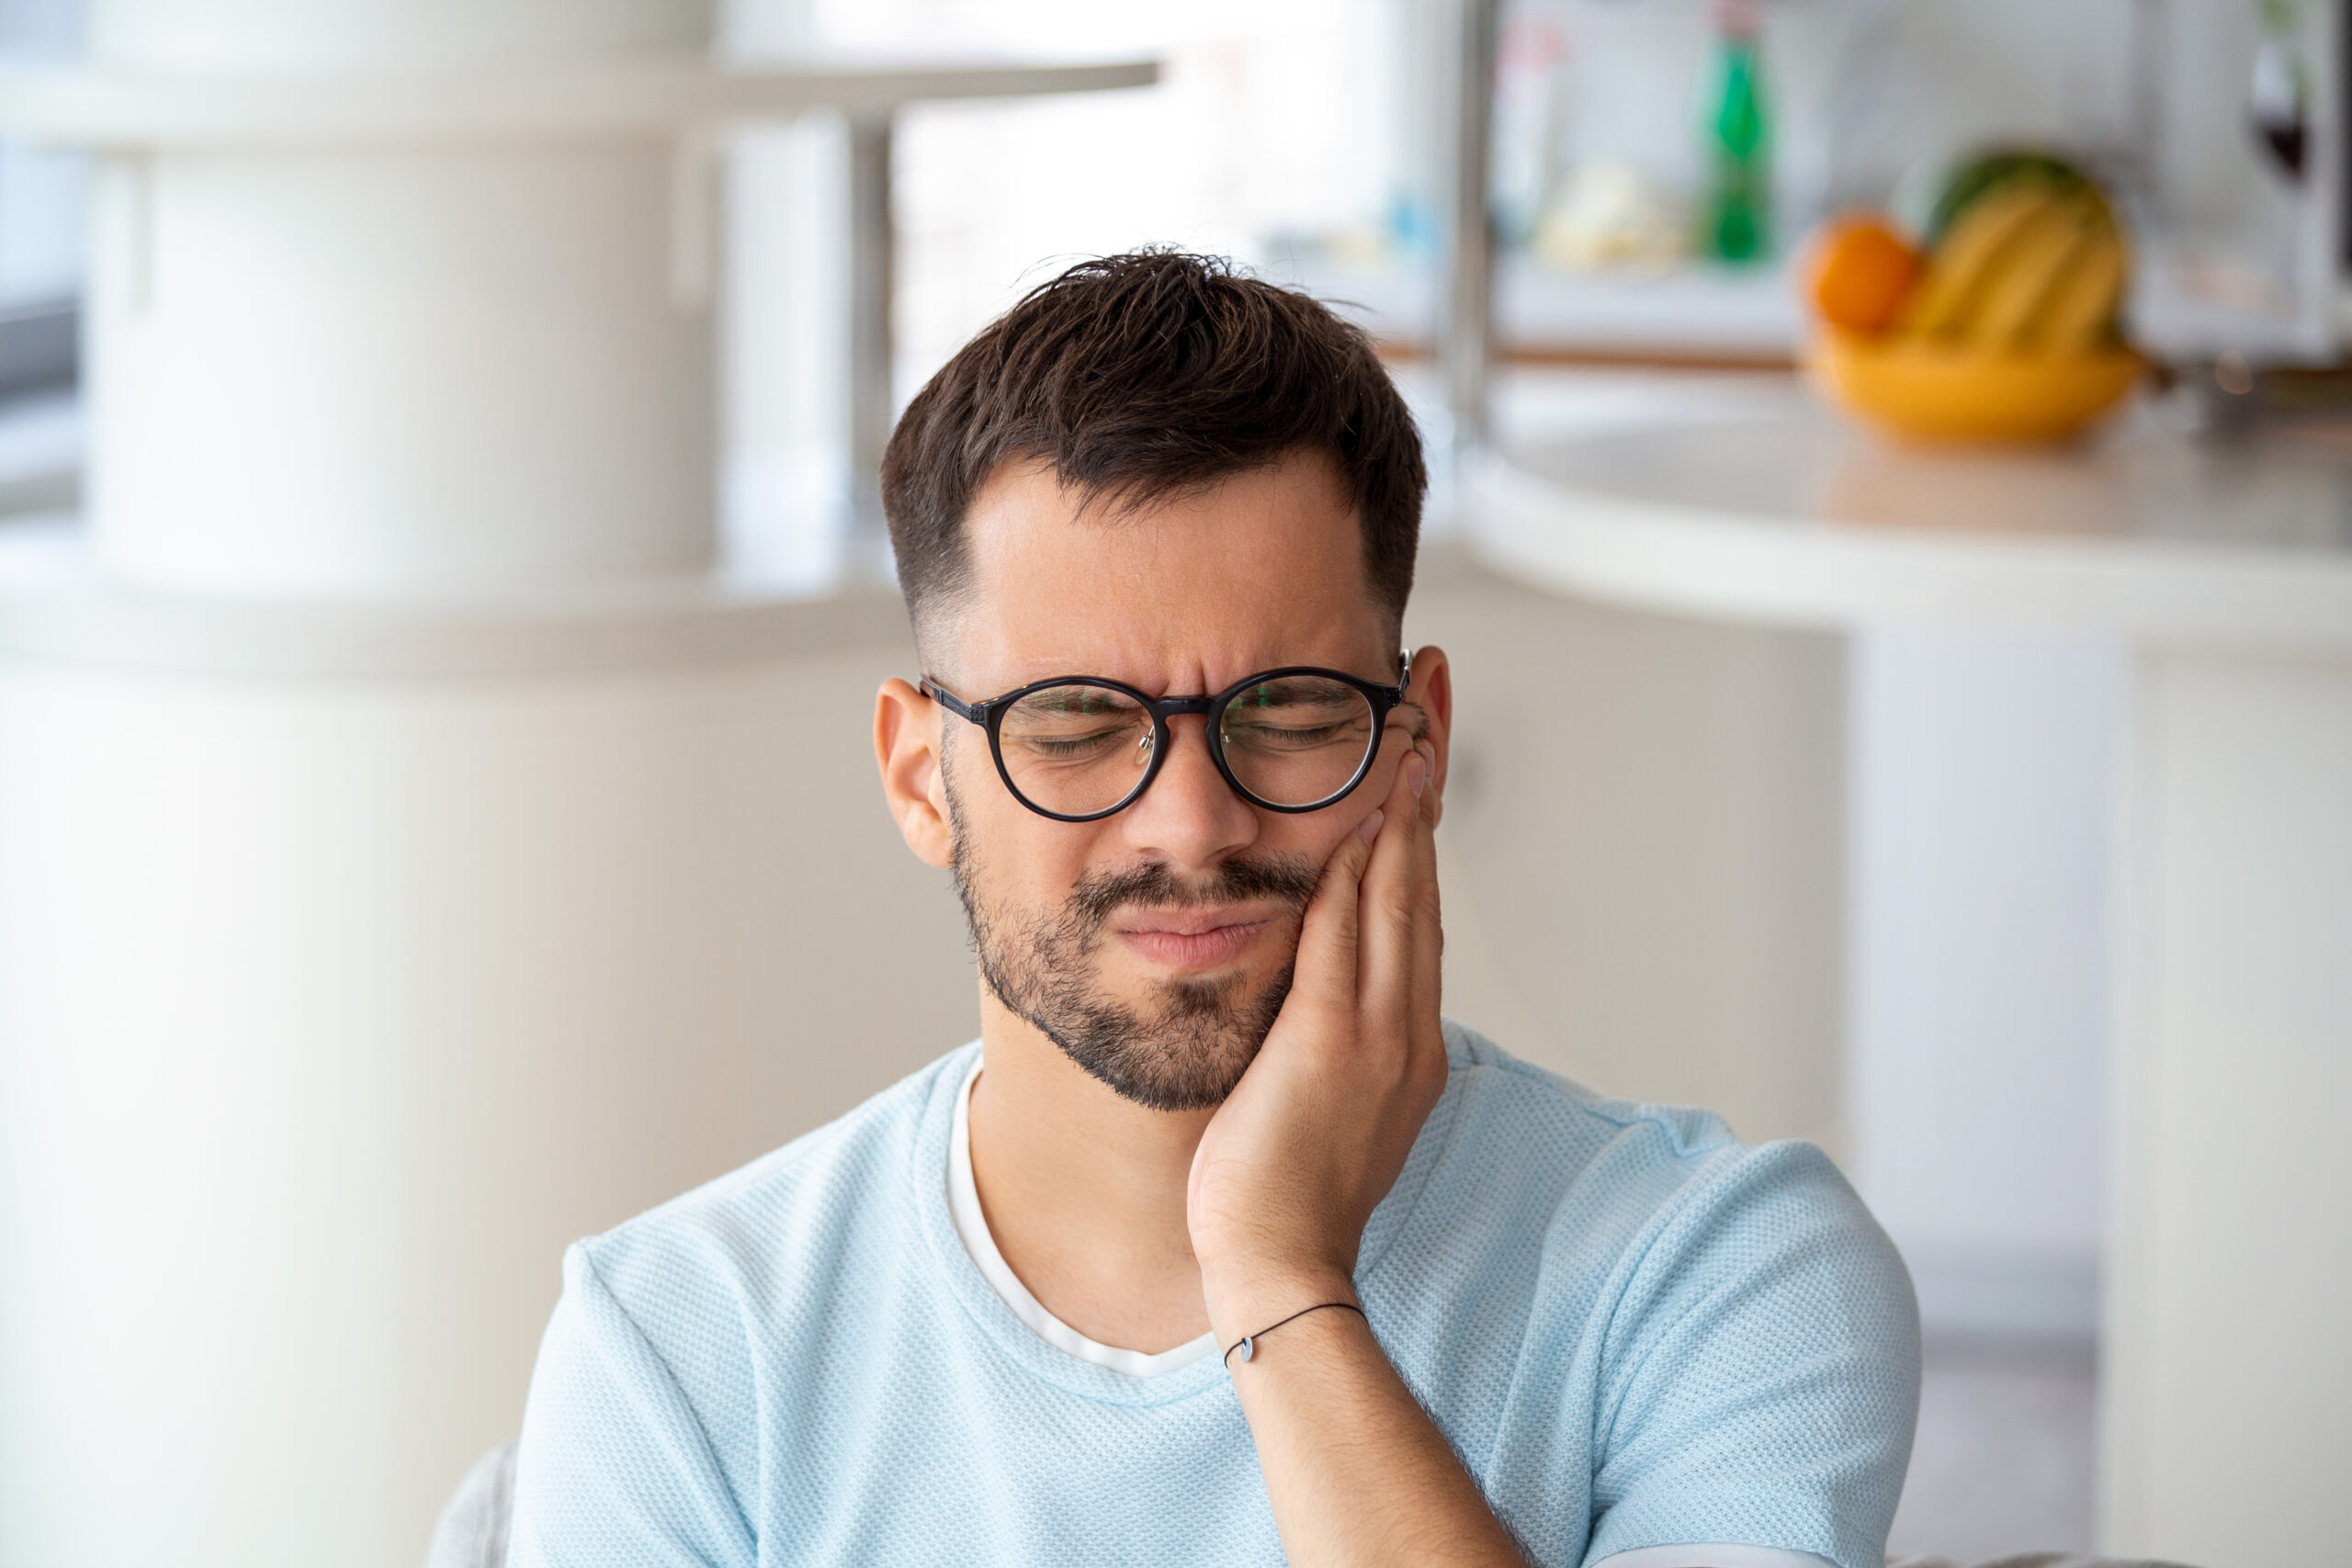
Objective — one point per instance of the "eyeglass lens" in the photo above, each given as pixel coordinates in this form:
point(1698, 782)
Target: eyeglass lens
point(1297, 741)
point(1076, 750)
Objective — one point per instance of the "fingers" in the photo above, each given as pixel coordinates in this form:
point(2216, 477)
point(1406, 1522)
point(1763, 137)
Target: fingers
point(1370, 939)
point(1391, 883)
point(1328, 936)
point(1428, 931)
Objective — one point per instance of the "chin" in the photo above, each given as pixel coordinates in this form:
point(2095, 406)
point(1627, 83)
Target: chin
point(1140, 983)
point(1177, 1045)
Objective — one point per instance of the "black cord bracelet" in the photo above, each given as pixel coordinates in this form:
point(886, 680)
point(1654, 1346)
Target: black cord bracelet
point(1248, 1343)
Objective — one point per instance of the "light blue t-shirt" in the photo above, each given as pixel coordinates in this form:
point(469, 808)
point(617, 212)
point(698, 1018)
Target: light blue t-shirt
point(1635, 1331)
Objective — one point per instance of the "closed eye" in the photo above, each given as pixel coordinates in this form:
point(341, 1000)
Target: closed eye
point(1072, 748)
point(1289, 737)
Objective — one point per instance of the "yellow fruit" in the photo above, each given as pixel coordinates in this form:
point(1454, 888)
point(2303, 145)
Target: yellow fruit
point(2029, 271)
point(1857, 271)
point(2081, 308)
point(1934, 390)
point(1960, 268)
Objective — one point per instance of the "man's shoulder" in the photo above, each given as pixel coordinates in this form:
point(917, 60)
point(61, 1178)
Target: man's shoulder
point(1525, 1090)
point(1543, 1124)
point(785, 1211)
point(1540, 1152)
point(1717, 1331)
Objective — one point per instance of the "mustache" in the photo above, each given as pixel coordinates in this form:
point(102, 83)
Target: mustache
point(1286, 879)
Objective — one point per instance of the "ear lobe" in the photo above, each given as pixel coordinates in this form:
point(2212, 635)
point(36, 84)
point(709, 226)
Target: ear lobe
point(906, 749)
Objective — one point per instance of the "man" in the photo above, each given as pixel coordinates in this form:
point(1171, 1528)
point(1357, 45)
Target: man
point(1219, 1245)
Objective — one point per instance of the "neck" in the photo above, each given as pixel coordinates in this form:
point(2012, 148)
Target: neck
point(1084, 1191)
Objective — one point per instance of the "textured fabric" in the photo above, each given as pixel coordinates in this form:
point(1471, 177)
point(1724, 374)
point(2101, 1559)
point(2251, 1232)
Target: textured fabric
point(972, 1230)
point(472, 1531)
point(1635, 1330)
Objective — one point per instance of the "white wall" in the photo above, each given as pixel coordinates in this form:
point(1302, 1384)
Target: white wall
point(1643, 839)
point(1983, 786)
point(331, 1009)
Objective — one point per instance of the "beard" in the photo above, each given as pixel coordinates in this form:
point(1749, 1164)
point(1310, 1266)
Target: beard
point(1186, 1050)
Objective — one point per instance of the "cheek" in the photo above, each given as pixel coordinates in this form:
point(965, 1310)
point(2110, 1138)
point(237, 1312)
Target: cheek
point(1311, 838)
point(1372, 795)
point(1014, 853)
point(1322, 833)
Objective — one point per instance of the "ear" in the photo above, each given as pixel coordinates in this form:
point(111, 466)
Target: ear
point(1432, 693)
point(906, 748)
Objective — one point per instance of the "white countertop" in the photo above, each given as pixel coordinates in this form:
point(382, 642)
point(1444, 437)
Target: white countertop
point(1746, 499)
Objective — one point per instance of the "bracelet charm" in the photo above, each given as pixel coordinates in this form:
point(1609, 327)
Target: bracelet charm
point(1248, 1343)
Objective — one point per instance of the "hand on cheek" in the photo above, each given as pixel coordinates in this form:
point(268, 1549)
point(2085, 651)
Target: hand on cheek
point(1292, 1166)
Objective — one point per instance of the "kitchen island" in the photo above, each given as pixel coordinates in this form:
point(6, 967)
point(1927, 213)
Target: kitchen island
point(2224, 568)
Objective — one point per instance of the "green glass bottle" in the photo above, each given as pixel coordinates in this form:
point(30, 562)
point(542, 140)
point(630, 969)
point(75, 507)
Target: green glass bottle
point(1737, 213)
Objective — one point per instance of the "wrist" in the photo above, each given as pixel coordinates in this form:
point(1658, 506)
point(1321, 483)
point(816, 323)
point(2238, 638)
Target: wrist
point(1245, 1300)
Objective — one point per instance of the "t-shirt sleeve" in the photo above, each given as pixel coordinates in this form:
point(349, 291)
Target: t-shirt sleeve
point(615, 1466)
point(1761, 1372)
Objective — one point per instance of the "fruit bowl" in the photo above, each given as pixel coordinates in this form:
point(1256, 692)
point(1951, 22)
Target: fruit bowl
point(1931, 391)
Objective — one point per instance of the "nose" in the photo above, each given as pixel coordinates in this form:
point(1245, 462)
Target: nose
point(1189, 816)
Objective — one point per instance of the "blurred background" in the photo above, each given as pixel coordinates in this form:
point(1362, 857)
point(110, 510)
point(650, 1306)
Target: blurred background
point(441, 597)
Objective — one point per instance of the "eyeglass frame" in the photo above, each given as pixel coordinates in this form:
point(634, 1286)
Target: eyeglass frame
point(989, 716)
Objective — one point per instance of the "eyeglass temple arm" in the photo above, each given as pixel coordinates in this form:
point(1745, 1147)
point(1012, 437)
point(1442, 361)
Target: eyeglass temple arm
point(951, 702)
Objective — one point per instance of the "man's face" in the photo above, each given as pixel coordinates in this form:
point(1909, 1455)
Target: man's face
point(1154, 946)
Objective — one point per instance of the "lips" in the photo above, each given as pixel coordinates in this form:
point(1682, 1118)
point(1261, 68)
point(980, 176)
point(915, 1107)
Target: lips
point(1192, 939)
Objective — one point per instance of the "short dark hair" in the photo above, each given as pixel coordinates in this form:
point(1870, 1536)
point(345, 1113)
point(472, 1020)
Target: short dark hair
point(1142, 375)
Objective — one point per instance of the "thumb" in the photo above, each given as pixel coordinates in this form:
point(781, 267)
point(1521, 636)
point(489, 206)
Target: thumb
point(1326, 966)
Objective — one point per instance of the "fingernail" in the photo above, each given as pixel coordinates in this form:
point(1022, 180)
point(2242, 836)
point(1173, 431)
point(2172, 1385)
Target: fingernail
point(1369, 828)
point(1417, 774)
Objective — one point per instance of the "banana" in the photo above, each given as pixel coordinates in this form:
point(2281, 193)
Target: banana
point(2081, 307)
point(1960, 267)
point(2028, 270)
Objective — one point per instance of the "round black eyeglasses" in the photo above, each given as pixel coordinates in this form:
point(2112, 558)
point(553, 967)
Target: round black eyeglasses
point(1078, 747)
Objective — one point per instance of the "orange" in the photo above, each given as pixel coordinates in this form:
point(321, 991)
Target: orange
point(1857, 271)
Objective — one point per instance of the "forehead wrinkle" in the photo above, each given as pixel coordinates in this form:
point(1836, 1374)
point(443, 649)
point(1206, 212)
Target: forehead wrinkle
point(1129, 614)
